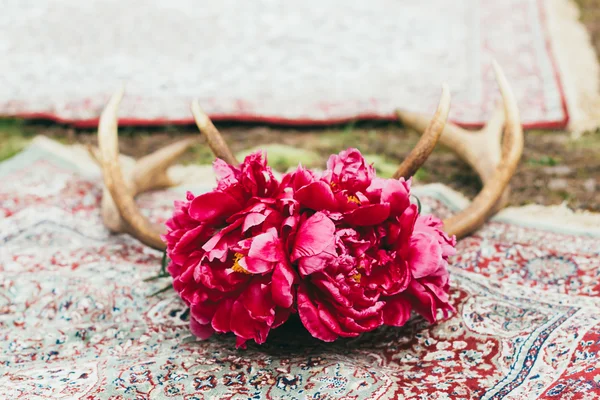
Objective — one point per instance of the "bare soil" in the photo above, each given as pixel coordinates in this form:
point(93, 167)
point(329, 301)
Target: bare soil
point(554, 168)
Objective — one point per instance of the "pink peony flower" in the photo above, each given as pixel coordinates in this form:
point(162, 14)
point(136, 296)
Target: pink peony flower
point(345, 249)
point(349, 171)
point(429, 250)
point(227, 252)
point(364, 255)
point(348, 190)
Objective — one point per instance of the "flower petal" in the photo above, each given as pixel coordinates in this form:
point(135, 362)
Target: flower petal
point(265, 250)
point(316, 196)
point(356, 326)
point(331, 289)
point(189, 242)
point(256, 265)
point(245, 327)
point(310, 265)
point(329, 321)
point(396, 193)
point(213, 205)
point(281, 287)
point(350, 170)
point(240, 342)
point(314, 236)
point(434, 226)
point(372, 214)
point(309, 316)
point(422, 300)
point(281, 316)
point(202, 309)
point(266, 246)
point(425, 256)
point(373, 192)
point(219, 276)
point(407, 224)
point(221, 321)
point(201, 331)
point(299, 178)
point(258, 301)
point(218, 245)
point(396, 311)
point(226, 174)
point(252, 220)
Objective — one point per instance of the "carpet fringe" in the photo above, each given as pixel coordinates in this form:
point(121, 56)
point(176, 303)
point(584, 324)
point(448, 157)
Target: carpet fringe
point(560, 216)
point(577, 62)
point(556, 217)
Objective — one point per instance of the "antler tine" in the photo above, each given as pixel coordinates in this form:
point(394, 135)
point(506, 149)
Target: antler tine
point(430, 137)
point(215, 141)
point(93, 153)
point(119, 211)
point(481, 208)
point(150, 172)
point(120, 191)
point(482, 151)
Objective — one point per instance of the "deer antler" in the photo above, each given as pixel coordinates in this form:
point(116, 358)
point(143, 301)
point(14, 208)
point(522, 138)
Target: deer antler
point(431, 134)
point(148, 173)
point(494, 163)
point(482, 151)
point(119, 211)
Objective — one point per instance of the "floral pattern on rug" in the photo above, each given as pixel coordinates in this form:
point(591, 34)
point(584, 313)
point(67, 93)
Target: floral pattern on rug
point(76, 320)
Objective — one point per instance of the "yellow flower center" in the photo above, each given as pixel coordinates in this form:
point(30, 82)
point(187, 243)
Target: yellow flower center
point(236, 264)
point(353, 199)
point(357, 277)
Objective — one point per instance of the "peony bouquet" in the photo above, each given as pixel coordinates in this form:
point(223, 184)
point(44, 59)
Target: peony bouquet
point(345, 250)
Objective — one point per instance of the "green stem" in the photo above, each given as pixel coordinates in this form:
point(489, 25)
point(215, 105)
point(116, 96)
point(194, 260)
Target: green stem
point(418, 203)
point(163, 269)
point(159, 276)
point(161, 291)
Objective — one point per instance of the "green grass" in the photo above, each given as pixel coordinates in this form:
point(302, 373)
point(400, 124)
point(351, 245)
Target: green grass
point(589, 141)
point(546, 161)
point(201, 154)
point(421, 175)
point(282, 157)
point(383, 167)
point(14, 137)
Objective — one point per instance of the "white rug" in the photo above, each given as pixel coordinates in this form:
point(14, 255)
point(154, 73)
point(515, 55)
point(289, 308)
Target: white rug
point(310, 61)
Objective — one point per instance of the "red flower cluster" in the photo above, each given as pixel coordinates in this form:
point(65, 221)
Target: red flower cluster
point(345, 250)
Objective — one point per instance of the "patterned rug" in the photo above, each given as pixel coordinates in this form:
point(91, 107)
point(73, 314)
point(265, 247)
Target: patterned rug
point(310, 62)
point(76, 320)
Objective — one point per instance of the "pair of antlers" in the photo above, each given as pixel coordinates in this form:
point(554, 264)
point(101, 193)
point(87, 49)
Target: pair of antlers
point(492, 155)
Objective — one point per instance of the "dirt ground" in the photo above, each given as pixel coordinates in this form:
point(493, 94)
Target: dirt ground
point(554, 168)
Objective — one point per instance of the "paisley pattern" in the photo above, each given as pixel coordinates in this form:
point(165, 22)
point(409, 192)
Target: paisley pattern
point(77, 322)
